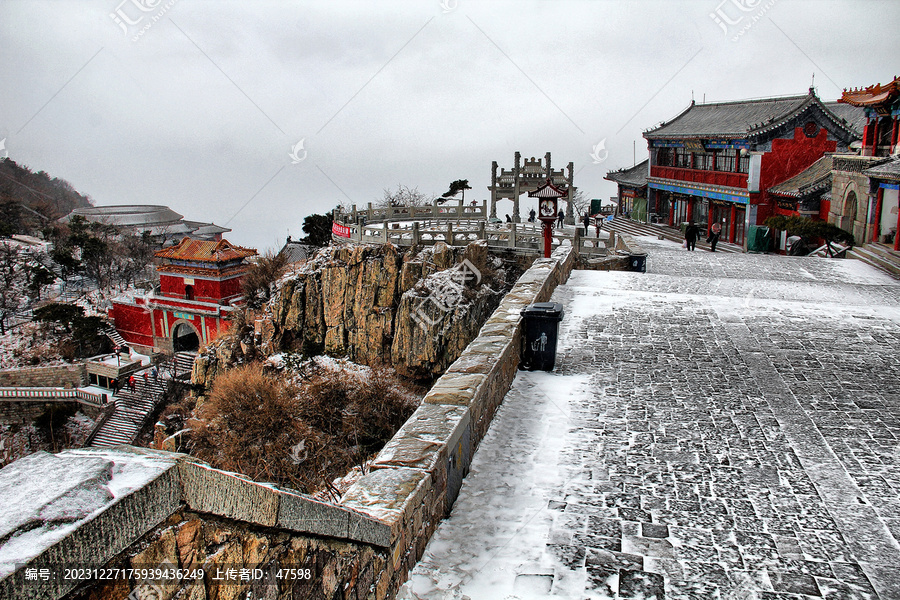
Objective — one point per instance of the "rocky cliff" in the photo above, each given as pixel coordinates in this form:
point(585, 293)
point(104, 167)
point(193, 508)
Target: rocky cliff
point(416, 310)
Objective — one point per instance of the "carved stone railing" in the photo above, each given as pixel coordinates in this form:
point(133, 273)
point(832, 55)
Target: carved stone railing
point(522, 237)
point(411, 213)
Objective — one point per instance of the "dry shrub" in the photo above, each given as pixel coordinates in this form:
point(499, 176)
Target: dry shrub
point(301, 434)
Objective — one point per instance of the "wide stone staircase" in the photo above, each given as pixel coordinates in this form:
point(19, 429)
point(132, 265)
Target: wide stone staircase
point(132, 408)
point(183, 364)
point(621, 225)
point(880, 256)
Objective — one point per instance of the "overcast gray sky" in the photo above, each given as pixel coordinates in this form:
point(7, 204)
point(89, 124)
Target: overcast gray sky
point(197, 105)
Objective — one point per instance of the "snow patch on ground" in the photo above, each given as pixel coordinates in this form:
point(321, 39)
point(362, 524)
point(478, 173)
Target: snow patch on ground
point(510, 539)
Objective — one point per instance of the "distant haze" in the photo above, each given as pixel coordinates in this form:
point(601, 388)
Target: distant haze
point(201, 106)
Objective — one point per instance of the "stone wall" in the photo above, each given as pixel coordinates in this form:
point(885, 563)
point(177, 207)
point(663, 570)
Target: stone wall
point(24, 412)
point(65, 376)
point(142, 508)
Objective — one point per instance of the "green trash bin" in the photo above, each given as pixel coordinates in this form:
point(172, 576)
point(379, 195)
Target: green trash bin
point(541, 330)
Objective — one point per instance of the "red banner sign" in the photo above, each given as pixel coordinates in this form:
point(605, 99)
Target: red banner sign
point(340, 230)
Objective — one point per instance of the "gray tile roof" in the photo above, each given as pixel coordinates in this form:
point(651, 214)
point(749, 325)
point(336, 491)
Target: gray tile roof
point(886, 170)
point(735, 119)
point(635, 176)
point(855, 116)
point(746, 118)
point(815, 178)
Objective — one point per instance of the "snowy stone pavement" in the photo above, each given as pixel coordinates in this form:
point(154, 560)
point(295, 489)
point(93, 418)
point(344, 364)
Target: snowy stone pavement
point(723, 426)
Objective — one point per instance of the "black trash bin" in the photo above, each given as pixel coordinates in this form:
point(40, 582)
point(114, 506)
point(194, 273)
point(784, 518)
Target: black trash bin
point(541, 327)
point(637, 262)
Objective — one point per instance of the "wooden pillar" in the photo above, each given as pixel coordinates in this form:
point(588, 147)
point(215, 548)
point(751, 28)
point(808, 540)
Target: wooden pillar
point(672, 204)
point(709, 219)
point(876, 230)
point(690, 210)
point(731, 224)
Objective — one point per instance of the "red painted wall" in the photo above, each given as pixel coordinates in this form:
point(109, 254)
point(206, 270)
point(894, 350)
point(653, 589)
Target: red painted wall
point(788, 158)
point(724, 178)
point(133, 322)
point(205, 290)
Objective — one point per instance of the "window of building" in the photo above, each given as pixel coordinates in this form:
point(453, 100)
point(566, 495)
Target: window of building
point(682, 158)
point(664, 157)
point(725, 160)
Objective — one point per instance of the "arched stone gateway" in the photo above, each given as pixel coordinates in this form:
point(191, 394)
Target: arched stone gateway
point(185, 337)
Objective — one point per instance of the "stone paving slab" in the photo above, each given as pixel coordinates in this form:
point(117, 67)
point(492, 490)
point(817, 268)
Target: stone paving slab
point(723, 426)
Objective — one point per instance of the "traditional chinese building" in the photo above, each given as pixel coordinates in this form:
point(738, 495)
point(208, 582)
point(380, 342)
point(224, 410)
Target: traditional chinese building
point(865, 186)
point(632, 194)
point(199, 288)
point(717, 162)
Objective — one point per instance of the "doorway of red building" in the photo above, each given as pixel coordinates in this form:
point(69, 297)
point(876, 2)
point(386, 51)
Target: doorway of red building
point(185, 338)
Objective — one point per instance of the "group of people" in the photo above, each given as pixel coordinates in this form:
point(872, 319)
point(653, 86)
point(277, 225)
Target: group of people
point(692, 234)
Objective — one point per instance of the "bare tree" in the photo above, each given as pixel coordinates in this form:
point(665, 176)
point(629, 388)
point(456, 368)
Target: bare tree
point(404, 196)
point(13, 279)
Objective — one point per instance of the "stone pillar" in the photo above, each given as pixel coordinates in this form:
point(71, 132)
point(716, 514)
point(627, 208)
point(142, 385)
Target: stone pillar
point(493, 190)
point(415, 233)
point(576, 240)
point(384, 232)
point(449, 233)
point(570, 216)
point(512, 233)
point(481, 233)
point(515, 216)
point(549, 171)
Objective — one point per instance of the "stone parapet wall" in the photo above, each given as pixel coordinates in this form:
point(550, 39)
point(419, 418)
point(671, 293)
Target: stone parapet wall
point(143, 508)
point(417, 476)
point(64, 376)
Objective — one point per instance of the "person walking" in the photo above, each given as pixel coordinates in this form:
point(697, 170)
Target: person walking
point(691, 233)
point(132, 383)
point(714, 232)
point(587, 223)
point(559, 219)
point(531, 216)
